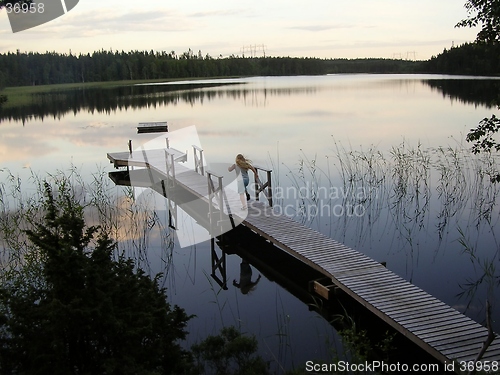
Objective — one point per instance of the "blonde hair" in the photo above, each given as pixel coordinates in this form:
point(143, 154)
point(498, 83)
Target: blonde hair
point(243, 162)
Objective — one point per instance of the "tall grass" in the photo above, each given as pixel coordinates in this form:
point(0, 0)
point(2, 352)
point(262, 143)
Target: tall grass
point(23, 95)
point(130, 223)
point(414, 199)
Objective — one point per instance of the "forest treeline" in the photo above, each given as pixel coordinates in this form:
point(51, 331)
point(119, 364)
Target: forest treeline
point(27, 69)
point(468, 59)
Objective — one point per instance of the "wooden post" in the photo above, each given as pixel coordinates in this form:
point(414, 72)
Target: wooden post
point(218, 264)
point(171, 205)
point(170, 167)
point(130, 152)
point(145, 157)
point(173, 166)
point(211, 189)
point(269, 188)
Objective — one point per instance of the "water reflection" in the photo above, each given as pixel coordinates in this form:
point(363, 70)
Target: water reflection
point(468, 91)
point(360, 340)
point(363, 336)
point(60, 103)
point(246, 285)
point(430, 212)
point(106, 100)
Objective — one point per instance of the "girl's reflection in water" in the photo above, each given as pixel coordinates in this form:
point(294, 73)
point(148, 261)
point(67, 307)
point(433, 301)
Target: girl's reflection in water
point(246, 284)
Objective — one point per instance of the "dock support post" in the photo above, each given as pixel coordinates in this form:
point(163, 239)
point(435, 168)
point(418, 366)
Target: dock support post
point(170, 166)
point(171, 205)
point(266, 187)
point(130, 152)
point(218, 263)
point(214, 192)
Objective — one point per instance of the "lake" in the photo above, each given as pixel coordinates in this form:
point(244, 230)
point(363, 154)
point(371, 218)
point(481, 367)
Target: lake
point(377, 162)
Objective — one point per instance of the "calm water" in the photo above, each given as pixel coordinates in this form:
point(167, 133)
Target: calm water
point(378, 162)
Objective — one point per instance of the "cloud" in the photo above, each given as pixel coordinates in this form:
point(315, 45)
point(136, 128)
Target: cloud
point(107, 21)
point(315, 28)
point(321, 113)
point(22, 148)
point(218, 13)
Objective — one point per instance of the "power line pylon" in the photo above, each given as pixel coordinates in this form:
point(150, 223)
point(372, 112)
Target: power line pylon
point(254, 49)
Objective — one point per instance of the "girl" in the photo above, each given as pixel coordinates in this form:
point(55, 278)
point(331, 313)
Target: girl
point(242, 166)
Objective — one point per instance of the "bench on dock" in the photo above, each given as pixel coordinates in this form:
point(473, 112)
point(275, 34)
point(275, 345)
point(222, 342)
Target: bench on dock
point(152, 127)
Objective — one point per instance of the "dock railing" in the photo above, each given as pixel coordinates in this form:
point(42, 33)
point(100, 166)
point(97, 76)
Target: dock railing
point(198, 160)
point(216, 191)
point(265, 188)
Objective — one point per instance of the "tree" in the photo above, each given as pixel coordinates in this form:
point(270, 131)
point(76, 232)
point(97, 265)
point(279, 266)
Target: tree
point(483, 138)
point(486, 13)
point(230, 353)
point(76, 310)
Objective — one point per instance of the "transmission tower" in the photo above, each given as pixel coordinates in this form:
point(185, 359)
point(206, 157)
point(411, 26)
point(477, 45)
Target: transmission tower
point(254, 49)
point(410, 54)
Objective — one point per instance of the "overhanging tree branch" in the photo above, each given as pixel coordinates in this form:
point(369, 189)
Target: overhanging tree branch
point(487, 14)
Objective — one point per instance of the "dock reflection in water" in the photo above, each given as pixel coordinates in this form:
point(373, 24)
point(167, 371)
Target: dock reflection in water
point(366, 336)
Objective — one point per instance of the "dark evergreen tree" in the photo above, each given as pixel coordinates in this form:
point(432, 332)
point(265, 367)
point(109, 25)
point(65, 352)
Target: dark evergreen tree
point(76, 310)
point(478, 59)
point(27, 69)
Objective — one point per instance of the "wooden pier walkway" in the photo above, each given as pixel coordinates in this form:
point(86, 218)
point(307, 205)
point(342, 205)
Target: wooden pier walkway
point(442, 331)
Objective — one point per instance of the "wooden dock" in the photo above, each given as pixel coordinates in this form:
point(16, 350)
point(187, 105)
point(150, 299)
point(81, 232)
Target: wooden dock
point(442, 331)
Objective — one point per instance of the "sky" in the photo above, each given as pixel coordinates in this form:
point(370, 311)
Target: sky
point(413, 29)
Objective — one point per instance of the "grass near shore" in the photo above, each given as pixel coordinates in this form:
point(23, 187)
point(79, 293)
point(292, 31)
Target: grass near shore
point(21, 95)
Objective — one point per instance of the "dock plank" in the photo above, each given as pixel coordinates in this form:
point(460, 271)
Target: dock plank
point(437, 326)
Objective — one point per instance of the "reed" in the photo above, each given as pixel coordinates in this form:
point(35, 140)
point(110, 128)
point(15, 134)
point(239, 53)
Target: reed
point(424, 199)
point(130, 223)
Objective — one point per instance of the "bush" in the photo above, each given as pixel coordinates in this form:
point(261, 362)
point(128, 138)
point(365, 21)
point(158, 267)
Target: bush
point(79, 311)
point(230, 353)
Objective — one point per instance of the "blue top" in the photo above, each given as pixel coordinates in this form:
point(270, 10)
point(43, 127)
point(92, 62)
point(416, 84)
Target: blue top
point(244, 180)
point(243, 171)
